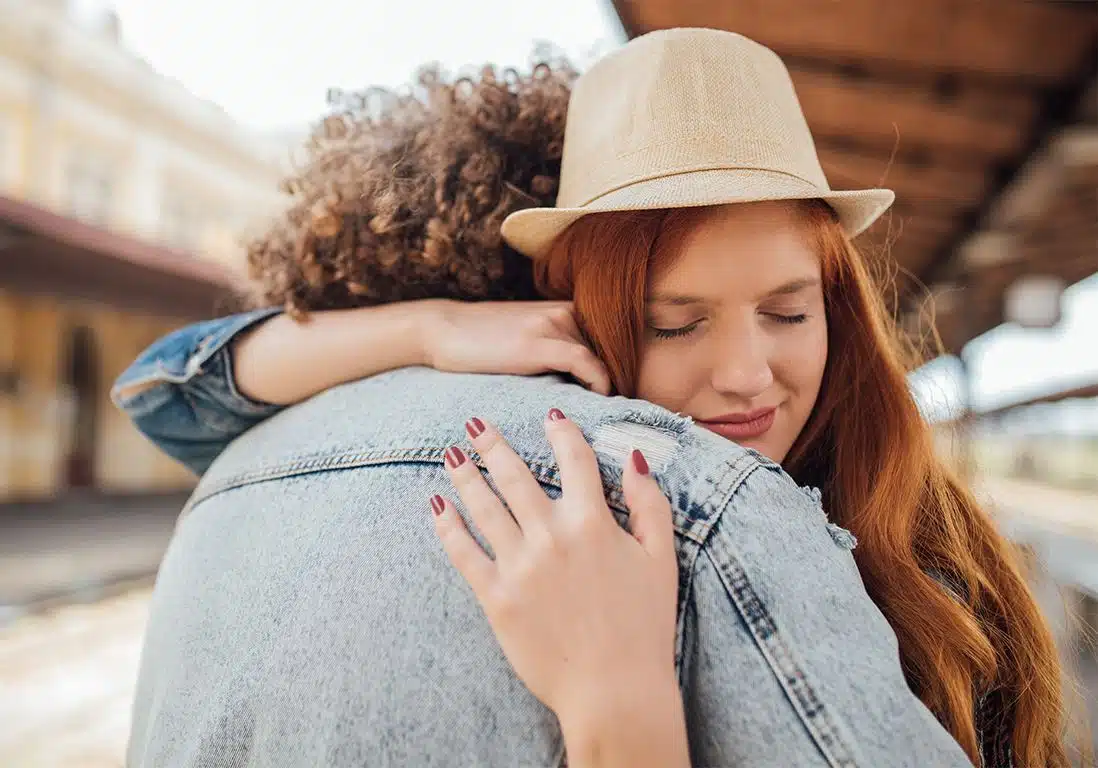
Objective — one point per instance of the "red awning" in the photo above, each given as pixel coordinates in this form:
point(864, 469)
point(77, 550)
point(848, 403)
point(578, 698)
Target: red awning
point(44, 253)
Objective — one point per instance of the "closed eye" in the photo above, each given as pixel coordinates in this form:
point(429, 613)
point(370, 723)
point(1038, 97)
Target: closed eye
point(674, 333)
point(788, 319)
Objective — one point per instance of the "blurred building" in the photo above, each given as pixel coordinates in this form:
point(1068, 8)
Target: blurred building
point(123, 199)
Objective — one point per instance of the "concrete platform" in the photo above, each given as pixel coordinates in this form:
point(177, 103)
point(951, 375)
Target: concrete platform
point(78, 547)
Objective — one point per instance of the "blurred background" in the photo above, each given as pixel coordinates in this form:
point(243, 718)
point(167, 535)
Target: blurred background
point(141, 140)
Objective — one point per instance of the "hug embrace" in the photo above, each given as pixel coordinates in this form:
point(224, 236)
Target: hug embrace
point(693, 517)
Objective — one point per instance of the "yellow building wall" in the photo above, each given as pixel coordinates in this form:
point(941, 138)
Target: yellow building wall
point(149, 149)
point(36, 420)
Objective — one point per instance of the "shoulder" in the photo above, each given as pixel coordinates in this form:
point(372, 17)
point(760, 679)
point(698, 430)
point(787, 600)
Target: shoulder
point(415, 414)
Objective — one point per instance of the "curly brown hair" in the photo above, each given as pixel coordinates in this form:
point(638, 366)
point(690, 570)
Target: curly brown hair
point(401, 195)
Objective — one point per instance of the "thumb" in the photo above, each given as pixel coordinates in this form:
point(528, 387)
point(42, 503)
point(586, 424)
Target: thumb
point(649, 510)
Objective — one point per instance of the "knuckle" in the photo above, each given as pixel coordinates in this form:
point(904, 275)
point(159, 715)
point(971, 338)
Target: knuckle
point(490, 442)
point(505, 600)
point(574, 449)
point(543, 325)
point(507, 474)
point(561, 314)
point(580, 354)
point(543, 545)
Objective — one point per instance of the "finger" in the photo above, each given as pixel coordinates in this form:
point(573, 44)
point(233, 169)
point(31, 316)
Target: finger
point(563, 318)
point(471, 561)
point(516, 484)
point(650, 519)
point(485, 508)
point(575, 358)
point(579, 469)
point(599, 381)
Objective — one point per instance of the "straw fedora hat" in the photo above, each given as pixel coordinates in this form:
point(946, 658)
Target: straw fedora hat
point(682, 118)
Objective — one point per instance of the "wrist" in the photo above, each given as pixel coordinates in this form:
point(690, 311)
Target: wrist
point(646, 728)
point(430, 315)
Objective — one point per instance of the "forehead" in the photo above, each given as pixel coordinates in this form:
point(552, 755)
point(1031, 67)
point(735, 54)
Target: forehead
point(753, 245)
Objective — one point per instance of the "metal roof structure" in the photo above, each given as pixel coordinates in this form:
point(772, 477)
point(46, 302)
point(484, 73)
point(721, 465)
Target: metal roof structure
point(981, 115)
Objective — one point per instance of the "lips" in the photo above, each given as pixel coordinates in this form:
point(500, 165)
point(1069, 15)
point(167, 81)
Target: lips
point(742, 426)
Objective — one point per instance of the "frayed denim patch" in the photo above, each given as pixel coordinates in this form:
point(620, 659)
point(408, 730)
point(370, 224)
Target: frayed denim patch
point(842, 536)
point(839, 535)
point(615, 440)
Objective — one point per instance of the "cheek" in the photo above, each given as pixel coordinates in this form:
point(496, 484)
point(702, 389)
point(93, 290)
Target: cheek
point(666, 377)
point(803, 359)
point(817, 359)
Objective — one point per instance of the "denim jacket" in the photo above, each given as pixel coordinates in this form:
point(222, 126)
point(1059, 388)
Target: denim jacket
point(306, 615)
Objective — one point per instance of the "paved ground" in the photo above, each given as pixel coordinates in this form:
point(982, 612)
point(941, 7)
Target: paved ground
point(67, 673)
point(1061, 526)
point(66, 681)
point(80, 546)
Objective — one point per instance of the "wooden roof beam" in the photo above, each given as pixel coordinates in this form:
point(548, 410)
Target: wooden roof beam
point(1036, 42)
point(1021, 189)
point(912, 119)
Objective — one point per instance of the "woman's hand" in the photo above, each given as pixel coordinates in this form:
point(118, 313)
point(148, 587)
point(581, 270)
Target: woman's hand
point(518, 337)
point(584, 611)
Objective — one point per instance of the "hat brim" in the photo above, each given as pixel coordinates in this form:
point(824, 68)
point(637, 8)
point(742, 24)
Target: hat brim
point(532, 231)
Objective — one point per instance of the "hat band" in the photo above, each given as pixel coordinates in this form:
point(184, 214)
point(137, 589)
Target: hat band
point(699, 169)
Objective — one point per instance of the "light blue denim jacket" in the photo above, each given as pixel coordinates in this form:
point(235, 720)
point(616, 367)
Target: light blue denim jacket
point(305, 614)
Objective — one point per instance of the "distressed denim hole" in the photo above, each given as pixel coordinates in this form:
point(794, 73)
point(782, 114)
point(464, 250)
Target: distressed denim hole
point(841, 536)
point(616, 440)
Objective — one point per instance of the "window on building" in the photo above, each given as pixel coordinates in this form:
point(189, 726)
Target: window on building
point(187, 219)
point(90, 184)
point(180, 220)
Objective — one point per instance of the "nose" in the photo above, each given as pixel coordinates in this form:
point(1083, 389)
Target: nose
point(744, 368)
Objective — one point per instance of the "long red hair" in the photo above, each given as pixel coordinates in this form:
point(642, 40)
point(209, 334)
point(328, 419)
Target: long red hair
point(949, 584)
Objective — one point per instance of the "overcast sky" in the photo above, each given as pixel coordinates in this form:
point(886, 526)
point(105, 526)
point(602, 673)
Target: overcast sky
point(269, 63)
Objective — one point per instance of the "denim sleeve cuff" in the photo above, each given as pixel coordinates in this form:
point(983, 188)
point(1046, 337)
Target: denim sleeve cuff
point(182, 358)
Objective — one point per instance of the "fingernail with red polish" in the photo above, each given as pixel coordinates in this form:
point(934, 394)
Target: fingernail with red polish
point(639, 462)
point(475, 427)
point(454, 457)
point(556, 414)
point(437, 504)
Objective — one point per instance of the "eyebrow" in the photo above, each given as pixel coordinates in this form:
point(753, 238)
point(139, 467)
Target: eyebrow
point(793, 286)
point(685, 299)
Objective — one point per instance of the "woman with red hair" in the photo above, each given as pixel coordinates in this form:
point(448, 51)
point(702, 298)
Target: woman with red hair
point(695, 258)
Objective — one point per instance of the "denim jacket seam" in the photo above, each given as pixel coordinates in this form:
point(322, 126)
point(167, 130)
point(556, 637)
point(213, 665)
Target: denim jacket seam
point(781, 657)
point(348, 459)
point(686, 587)
point(318, 462)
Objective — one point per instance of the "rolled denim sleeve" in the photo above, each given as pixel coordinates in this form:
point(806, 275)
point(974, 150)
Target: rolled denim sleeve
point(181, 394)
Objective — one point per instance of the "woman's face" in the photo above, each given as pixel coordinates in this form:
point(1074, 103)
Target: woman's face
point(737, 335)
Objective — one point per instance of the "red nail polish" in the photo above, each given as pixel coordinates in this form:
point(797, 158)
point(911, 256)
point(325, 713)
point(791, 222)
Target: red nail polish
point(437, 504)
point(639, 462)
point(556, 414)
point(475, 427)
point(454, 457)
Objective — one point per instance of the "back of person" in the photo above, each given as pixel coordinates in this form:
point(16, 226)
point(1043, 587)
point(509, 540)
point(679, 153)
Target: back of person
point(306, 615)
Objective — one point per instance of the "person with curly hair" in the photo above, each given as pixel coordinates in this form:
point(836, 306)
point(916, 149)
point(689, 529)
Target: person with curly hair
point(793, 577)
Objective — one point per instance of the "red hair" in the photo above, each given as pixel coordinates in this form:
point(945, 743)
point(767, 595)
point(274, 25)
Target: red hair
point(971, 637)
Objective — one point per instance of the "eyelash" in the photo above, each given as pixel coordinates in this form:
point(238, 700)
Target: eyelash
point(686, 330)
point(674, 333)
point(788, 319)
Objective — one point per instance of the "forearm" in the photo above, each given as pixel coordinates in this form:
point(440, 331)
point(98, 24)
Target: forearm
point(648, 731)
point(284, 362)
